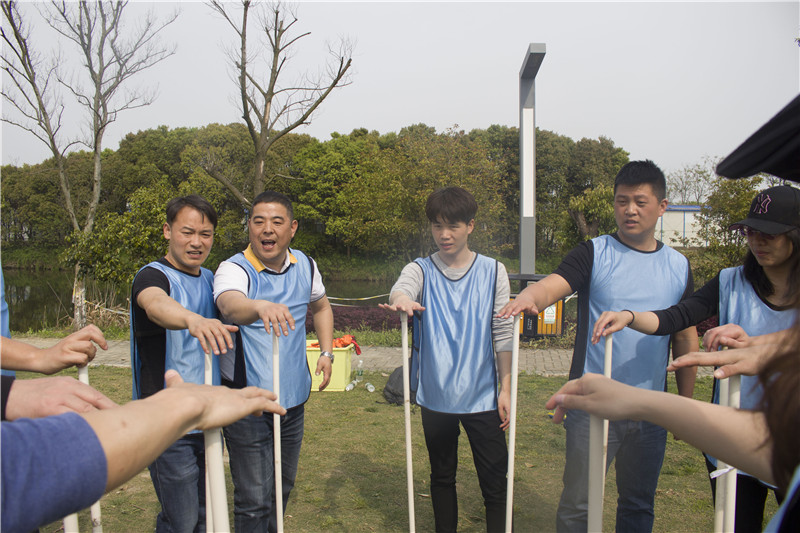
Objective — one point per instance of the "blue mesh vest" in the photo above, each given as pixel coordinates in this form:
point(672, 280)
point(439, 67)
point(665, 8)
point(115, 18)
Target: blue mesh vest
point(292, 287)
point(5, 330)
point(625, 278)
point(184, 352)
point(455, 365)
point(739, 304)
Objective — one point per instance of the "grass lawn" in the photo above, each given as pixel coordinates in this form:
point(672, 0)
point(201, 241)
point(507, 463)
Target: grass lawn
point(352, 469)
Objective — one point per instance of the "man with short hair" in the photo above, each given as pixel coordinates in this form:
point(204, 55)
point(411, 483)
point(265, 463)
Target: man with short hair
point(173, 325)
point(629, 269)
point(461, 354)
point(264, 289)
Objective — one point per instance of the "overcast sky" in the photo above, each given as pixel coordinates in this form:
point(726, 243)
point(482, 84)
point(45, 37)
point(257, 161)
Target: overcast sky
point(671, 82)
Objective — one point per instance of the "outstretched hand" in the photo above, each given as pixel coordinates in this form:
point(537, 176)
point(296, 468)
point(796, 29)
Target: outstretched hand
point(521, 304)
point(276, 317)
point(610, 322)
point(730, 335)
point(37, 398)
point(597, 395)
point(221, 406)
point(742, 361)
point(76, 349)
point(212, 334)
point(406, 305)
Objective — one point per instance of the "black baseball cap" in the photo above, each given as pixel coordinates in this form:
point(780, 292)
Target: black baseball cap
point(774, 211)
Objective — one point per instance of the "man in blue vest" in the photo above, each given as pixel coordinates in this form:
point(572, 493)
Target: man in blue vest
point(629, 269)
point(454, 295)
point(173, 325)
point(264, 289)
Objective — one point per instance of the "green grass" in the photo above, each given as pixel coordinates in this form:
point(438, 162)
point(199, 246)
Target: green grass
point(352, 469)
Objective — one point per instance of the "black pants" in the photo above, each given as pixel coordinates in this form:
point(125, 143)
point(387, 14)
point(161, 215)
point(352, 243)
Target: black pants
point(489, 453)
point(751, 495)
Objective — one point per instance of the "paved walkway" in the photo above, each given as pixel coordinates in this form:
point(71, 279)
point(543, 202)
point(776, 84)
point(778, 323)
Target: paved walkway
point(549, 362)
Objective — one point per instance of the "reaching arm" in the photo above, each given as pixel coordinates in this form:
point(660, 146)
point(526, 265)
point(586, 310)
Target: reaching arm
point(400, 301)
point(169, 314)
point(133, 435)
point(238, 308)
point(537, 296)
point(323, 324)
point(735, 436)
point(683, 342)
point(612, 321)
point(739, 361)
point(76, 349)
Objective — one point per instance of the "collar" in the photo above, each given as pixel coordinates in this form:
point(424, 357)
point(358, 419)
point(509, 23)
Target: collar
point(259, 266)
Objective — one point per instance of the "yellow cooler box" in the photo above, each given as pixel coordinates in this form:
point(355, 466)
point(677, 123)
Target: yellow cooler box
point(340, 374)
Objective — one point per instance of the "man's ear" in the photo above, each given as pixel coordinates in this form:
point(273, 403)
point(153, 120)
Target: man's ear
point(167, 231)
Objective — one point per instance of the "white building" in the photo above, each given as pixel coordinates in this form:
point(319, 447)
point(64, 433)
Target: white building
point(677, 223)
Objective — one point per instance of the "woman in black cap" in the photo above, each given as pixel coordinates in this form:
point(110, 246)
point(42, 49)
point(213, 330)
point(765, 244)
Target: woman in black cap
point(758, 296)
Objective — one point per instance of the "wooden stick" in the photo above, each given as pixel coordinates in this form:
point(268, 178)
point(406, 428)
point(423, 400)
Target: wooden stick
point(512, 428)
point(598, 450)
point(216, 495)
point(407, 411)
point(276, 419)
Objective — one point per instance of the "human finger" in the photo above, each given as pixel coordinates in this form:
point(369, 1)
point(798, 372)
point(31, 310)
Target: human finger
point(92, 333)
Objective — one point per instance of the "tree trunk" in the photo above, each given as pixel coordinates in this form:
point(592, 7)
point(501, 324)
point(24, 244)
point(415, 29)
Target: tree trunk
point(78, 300)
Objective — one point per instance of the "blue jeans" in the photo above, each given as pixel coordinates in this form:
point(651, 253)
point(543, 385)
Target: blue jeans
point(638, 448)
point(250, 444)
point(179, 477)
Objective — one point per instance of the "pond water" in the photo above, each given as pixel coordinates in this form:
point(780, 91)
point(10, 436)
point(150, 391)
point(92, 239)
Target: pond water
point(40, 299)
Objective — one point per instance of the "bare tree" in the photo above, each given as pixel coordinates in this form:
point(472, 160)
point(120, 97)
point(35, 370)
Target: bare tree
point(693, 183)
point(110, 57)
point(271, 107)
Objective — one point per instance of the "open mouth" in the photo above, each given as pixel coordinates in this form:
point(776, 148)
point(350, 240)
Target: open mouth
point(267, 244)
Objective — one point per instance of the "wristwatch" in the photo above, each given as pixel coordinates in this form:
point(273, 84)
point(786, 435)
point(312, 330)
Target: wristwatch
point(327, 354)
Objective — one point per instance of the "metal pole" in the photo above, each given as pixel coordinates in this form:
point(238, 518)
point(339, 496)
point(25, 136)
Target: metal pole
point(216, 495)
point(276, 419)
point(512, 429)
point(527, 158)
point(598, 450)
point(407, 413)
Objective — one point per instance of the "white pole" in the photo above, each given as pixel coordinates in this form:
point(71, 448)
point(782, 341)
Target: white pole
point(407, 410)
point(512, 428)
point(71, 521)
point(216, 496)
point(734, 389)
point(276, 419)
point(207, 379)
point(598, 450)
point(719, 501)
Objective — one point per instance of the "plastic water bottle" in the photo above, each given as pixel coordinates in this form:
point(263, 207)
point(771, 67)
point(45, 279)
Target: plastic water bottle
point(360, 371)
point(370, 387)
point(350, 386)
